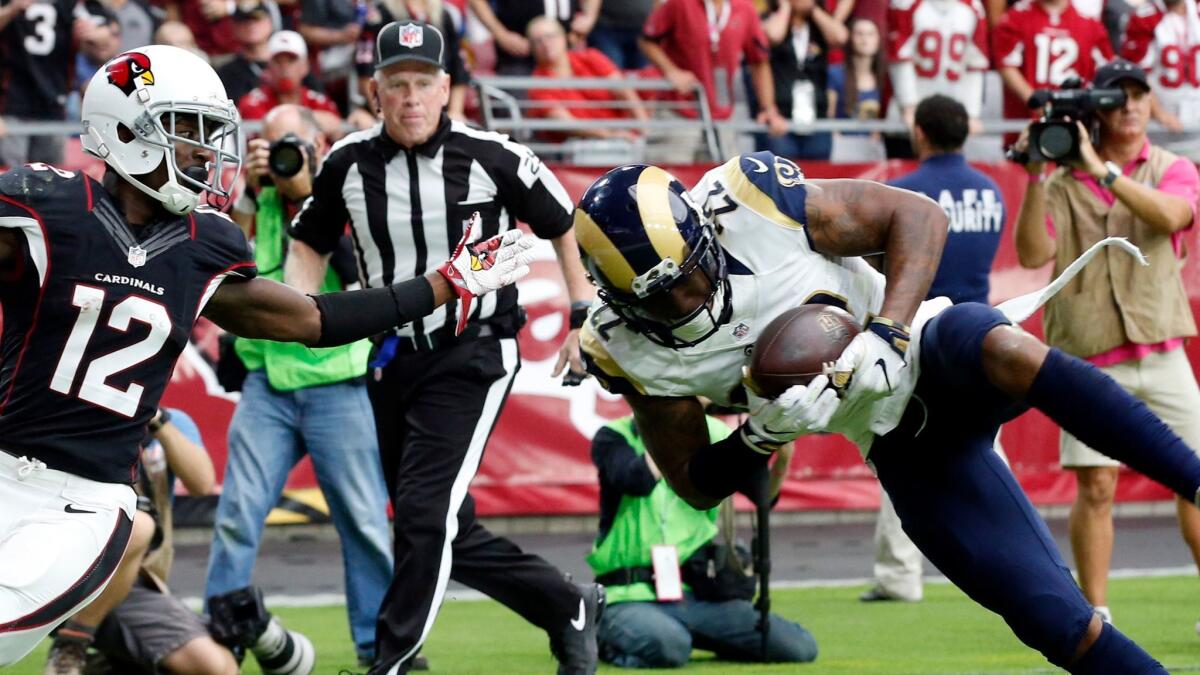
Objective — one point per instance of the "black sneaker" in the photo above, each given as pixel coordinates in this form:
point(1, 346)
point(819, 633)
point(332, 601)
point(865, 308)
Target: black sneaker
point(419, 662)
point(575, 646)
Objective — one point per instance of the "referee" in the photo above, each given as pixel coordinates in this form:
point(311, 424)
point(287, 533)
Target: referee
point(407, 186)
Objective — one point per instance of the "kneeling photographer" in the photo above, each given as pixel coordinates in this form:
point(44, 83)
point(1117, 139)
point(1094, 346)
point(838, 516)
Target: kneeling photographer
point(670, 585)
point(297, 401)
point(1126, 318)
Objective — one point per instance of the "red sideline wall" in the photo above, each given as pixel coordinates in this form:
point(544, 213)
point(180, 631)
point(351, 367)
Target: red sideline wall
point(537, 461)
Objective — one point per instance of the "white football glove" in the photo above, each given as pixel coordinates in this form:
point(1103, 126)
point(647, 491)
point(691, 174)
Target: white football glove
point(874, 364)
point(482, 267)
point(802, 409)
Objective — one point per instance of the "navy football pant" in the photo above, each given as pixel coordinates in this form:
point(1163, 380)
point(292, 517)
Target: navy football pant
point(962, 506)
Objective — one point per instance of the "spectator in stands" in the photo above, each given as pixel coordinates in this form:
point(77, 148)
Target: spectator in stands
point(297, 401)
point(1039, 44)
point(252, 27)
point(332, 28)
point(434, 12)
point(937, 47)
point(39, 41)
point(177, 34)
point(688, 47)
point(210, 23)
point(974, 204)
point(855, 91)
point(617, 29)
point(1164, 39)
point(136, 625)
point(1127, 319)
point(507, 20)
point(138, 21)
point(655, 614)
point(550, 52)
point(801, 33)
point(282, 82)
point(99, 43)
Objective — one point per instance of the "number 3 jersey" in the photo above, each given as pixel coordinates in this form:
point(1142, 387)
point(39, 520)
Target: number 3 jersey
point(96, 312)
point(758, 204)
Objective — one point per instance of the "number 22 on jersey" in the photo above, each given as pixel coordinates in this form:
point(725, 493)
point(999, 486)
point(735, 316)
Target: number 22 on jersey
point(94, 389)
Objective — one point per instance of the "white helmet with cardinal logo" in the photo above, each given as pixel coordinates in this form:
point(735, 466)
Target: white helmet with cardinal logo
point(130, 110)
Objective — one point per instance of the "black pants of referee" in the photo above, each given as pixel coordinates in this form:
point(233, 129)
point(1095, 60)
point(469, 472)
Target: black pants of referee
point(434, 412)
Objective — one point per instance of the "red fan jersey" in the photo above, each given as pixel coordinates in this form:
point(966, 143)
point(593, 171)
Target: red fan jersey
point(1167, 45)
point(938, 47)
point(1047, 47)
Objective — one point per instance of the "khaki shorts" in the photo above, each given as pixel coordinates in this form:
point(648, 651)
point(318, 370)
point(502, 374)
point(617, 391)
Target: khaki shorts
point(1165, 383)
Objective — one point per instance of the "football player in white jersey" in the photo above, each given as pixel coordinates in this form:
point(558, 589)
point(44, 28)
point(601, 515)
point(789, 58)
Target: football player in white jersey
point(686, 282)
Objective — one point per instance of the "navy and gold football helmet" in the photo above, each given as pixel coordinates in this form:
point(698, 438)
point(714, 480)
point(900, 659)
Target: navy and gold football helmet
point(641, 235)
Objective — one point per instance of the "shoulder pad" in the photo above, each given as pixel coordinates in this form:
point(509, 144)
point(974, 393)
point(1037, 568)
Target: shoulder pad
point(34, 181)
point(770, 185)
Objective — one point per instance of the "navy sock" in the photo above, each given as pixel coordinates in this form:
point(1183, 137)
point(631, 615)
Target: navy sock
point(1112, 652)
point(1096, 410)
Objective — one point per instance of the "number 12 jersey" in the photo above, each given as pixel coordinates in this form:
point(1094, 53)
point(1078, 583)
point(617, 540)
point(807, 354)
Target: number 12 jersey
point(96, 312)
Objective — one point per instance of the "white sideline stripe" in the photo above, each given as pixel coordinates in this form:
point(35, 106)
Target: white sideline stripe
point(328, 599)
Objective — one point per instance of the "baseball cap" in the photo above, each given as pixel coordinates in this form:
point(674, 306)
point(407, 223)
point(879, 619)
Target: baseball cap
point(248, 9)
point(408, 41)
point(287, 42)
point(1111, 74)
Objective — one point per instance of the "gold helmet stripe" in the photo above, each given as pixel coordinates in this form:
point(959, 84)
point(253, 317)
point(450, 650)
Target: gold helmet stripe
point(603, 252)
point(653, 188)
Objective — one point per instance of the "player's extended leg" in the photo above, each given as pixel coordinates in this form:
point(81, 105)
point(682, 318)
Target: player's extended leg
point(61, 538)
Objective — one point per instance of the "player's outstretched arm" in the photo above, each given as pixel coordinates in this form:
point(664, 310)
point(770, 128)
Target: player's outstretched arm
point(674, 430)
point(858, 217)
point(261, 308)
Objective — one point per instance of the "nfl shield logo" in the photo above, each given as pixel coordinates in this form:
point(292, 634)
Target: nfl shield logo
point(741, 330)
point(137, 256)
point(411, 36)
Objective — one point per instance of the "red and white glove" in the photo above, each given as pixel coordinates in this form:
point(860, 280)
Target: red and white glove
point(476, 268)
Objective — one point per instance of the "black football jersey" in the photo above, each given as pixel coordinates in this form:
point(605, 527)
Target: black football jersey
point(95, 317)
point(36, 60)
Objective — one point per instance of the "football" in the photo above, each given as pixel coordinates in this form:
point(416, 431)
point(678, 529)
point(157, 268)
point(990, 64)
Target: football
point(794, 347)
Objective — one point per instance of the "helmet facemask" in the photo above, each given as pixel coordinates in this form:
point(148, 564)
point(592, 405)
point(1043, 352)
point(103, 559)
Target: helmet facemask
point(699, 324)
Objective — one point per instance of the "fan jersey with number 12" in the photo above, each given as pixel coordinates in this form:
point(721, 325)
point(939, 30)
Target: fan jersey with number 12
point(938, 47)
point(96, 312)
point(1048, 48)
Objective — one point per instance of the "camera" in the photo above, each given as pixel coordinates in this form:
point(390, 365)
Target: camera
point(1055, 137)
point(286, 156)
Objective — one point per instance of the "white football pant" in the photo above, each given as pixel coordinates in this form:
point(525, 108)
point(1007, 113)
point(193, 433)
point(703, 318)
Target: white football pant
point(61, 537)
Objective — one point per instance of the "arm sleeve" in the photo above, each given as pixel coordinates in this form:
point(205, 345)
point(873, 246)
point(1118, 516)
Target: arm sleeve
point(904, 83)
point(755, 48)
point(1138, 43)
point(323, 216)
point(620, 466)
point(531, 191)
point(1182, 180)
point(1006, 42)
point(900, 32)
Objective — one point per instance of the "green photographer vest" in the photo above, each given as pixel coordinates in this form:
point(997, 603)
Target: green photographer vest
point(291, 365)
point(661, 517)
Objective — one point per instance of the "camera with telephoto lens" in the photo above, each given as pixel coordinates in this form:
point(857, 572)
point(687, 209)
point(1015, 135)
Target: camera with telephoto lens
point(1055, 137)
point(285, 157)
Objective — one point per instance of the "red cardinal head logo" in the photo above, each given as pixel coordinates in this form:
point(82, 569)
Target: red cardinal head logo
point(124, 71)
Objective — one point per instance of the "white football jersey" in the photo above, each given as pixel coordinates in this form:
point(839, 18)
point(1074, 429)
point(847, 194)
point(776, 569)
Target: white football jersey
point(1167, 46)
point(757, 202)
point(938, 47)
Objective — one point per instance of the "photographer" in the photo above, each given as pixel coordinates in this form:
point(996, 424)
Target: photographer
point(660, 608)
point(297, 400)
point(1128, 320)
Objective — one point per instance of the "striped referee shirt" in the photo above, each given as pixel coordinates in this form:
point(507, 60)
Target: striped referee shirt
point(407, 208)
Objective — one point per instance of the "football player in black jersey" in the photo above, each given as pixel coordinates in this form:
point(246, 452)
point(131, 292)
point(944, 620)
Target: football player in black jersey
point(101, 283)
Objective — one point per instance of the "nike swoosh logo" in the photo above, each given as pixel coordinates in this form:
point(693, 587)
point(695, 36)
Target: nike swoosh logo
point(580, 621)
point(883, 366)
point(760, 167)
point(71, 509)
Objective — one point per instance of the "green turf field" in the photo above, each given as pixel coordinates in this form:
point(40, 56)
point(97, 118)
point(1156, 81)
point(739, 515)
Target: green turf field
point(945, 633)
